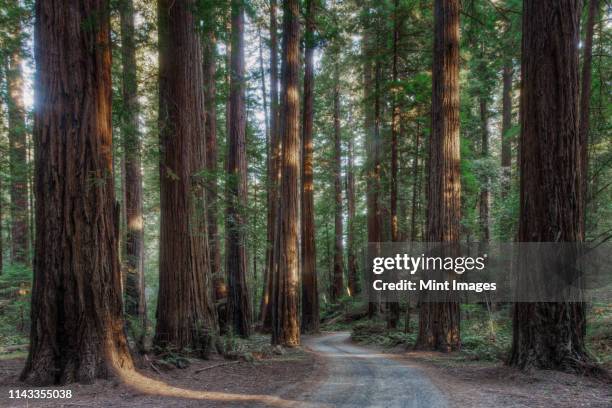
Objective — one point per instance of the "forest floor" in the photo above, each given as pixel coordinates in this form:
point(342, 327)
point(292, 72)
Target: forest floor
point(485, 384)
point(330, 371)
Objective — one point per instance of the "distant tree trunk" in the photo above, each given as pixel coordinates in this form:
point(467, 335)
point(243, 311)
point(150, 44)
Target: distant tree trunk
point(238, 306)
point(77, 332)
point(310, 290)
point(286, 328)
point(135, 301)
point(393, 307)
point(483, 208)
point(415, 185)
point(350, 203)
point(550, 335)
point(439, 321)
point(185, 318)
point(395, 125)
point(506, 146)
point(274, 153)
point(338, 284)
point(264, 95)
point(209, 46)
point(20, 233)
point(585, 99)
point(373, 148)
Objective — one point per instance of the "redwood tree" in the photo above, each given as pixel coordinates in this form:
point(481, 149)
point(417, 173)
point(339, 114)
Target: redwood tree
point(209, 45)
point(310, 293)
point(20, 234)
point(286, 328)
point(238, 306)
point(439, 321)
point(338, 282)
point(351, 258)
point(585, 97)
point(550, 335)
point(135, 301)
point(77, 330)
point(506, 147)
point(274, 152)
point(185, 313)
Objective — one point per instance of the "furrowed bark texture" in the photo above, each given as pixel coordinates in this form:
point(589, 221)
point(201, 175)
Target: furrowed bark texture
point(286, 328)
point(274, 153)
point(135, 301)
point(310, 292)
point(439, 321)
point(238, 305)
point(185, 313)
point(550, 335)
point(77, 332)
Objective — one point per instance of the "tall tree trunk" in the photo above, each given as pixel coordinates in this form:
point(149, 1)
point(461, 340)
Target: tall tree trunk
point(506, 146)
point(585, 100)
point(238, 305)
point(350, 203)
point(395, 125)
point(550, 335)
point(338, 284)
point(439, 321)
point(393, 306)
point(415, 185)
point(185, 313)
point(274, 153)
point(77, 330)
point(310, 290)
point(286, 328)
point(372, 151)
point(135, 301)
point(209, 68)
point(18, 167)
point(483, 208)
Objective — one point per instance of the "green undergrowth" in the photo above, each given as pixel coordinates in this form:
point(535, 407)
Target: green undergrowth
point(486, 333)
point(15, 289)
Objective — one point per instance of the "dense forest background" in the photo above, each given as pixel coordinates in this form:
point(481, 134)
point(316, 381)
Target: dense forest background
point(311, 116)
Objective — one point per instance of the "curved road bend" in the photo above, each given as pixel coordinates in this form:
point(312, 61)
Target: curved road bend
point(358, 377)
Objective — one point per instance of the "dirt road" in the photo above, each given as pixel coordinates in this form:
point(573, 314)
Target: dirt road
point(358, 377)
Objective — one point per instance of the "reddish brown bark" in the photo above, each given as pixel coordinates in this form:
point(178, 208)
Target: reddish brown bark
point(353, 284)
point(439, 321)
point(550, 335)
point(393, 307)
point(135, 301)
point(77, 325)
point(238, 305)
point(185, 313)
point(274, 153)
point(337, 281)
point(18, 168)
point(372, 150)
point(286, 328)
point(209, 45)
point(416, 186)
point(310, 292)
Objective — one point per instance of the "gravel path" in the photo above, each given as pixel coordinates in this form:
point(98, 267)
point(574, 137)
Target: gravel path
point(358, 377)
